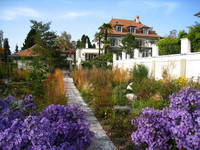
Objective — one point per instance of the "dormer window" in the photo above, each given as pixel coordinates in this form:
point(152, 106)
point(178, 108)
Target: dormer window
point(118, 28)
point(145, 30)
point(132, 29)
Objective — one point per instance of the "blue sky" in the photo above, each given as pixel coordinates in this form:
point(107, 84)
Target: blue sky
point(79, 17)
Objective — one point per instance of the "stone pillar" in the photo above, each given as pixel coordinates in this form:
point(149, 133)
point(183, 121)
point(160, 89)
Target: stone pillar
point(185, 46)
point(120, 58)
point(128, 56)
point(155, 50)
point(136, 53)
point(114, 57)
point(123, 55)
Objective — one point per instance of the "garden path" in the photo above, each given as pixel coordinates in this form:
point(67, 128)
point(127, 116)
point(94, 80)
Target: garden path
point(100, 141)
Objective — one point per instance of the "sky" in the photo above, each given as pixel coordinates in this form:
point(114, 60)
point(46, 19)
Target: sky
point(79, 17)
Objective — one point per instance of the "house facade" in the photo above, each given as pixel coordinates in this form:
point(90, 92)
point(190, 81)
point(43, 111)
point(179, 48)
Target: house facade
point(22, 58)
point(141, 32)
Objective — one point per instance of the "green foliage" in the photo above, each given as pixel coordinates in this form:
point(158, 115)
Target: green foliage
point(146, 88)
point(119, 93)
point(107, 28)
point(30, 39)
point(45, 43)
point(98, 37)
point(169, 45)
point(182, 34)
point(194, 36)
point(82, 43)
point(16, 49)
point(63, 42)
point(129, 43)
point(99, 61)
point(7, 51)
point(140, 72)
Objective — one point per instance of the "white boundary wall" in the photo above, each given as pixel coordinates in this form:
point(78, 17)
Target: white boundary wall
point(186, 64)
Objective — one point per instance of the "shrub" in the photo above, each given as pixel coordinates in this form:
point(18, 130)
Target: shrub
point(159, 129)
point(56, 127)
point(146, 88)
point(140, 72)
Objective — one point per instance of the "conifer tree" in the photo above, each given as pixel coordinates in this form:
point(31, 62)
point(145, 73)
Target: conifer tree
point(7, 51)
point(30, 39)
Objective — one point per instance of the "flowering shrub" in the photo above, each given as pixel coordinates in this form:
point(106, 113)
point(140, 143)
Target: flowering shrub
point(179, 123)
point(181, 82)
point(56, 127)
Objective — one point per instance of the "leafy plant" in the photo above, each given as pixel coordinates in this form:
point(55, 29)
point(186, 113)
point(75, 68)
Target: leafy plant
point(140, 72)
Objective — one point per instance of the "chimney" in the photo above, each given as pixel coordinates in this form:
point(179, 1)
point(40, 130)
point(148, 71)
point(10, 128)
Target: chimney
point(86, 44)
point(137, 19)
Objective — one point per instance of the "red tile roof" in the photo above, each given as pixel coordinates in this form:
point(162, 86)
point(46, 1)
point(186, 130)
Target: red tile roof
point(27, 52)
point(128, 23)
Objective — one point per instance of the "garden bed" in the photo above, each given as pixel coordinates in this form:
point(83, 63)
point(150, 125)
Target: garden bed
point(103, 89)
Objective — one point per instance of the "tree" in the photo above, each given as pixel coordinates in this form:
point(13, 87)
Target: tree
point(194, 36)
point(98, 37)
point(64, 41)
point(82, 43)
point(16, 49)
point(6, 50)
point(107, 28)
point(1, 42)
point(45, 43)
point(182, 34)
point(30, 39)
point(173, 33)
point(129, 43)
point(169, 45)
point(1, 38)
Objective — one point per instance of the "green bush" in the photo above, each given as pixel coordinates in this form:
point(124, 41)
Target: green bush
point(146, 88)
point(119, 93)
point(140, 72)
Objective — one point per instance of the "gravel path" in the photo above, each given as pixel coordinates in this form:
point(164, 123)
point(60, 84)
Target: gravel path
point(100, 141)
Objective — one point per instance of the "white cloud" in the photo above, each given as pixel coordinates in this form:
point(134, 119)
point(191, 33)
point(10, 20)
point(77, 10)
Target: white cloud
point(73, 15)
point(14, 13)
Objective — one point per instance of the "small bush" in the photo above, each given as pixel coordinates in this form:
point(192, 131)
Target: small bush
point(140, 72)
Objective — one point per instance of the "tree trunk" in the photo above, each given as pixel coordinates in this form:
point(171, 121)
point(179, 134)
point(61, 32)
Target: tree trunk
point(106, 34)
point(99, 45)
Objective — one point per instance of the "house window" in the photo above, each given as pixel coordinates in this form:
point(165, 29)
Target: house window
point(120, 42)
point(145, 31)
point(132, 30)
point(118, 28)
point(113, 42)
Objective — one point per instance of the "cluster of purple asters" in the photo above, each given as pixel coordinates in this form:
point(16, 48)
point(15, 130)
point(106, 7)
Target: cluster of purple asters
point(176, 126)
point(57, 127)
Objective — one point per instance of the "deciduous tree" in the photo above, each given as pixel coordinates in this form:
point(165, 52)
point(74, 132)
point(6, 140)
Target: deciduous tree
point(194, 36)
point(129, 43)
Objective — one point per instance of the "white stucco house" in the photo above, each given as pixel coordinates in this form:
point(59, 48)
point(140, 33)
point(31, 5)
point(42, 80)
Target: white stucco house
point(120, 27)
point(143, 33)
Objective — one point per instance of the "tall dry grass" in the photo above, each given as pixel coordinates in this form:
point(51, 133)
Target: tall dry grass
point(55, 90)
point(99, 84)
